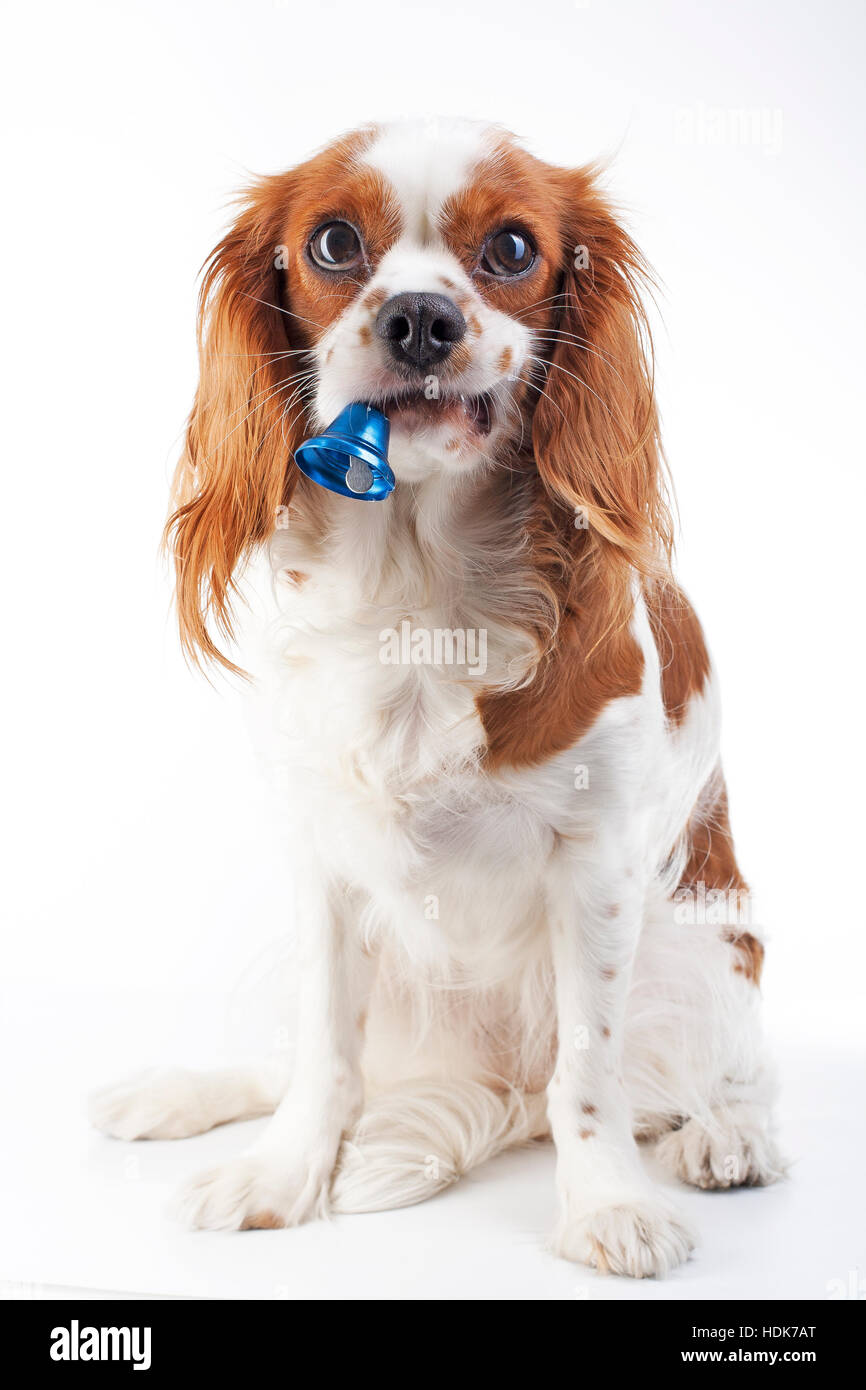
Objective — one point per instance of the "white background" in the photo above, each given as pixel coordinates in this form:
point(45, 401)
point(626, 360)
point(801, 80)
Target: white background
point(143, 897)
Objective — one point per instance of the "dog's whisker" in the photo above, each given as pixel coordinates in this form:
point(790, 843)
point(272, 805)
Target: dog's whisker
point(280, 310)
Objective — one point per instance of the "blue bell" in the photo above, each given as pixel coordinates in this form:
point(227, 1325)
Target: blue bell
point(351, 457)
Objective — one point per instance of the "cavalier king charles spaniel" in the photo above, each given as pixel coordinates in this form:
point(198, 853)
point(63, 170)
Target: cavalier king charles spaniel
point(518, 910)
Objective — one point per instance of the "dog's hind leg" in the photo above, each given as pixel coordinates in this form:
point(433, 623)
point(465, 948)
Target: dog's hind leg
point(174, 1103)
point(701, 1083)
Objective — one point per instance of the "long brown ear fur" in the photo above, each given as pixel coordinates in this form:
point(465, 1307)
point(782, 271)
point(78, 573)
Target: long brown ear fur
point(595, 427)
point(234, 471)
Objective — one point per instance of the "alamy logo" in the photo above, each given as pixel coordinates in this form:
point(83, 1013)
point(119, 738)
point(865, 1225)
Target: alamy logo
point(698, 905)
point(76, 1343)
point(760, 127)
point(436, 646)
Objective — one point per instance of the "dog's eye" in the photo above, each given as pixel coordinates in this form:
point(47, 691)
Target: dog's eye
point(508, 253)
point(336, 246)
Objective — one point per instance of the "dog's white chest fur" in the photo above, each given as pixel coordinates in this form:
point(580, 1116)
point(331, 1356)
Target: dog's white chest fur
point(385, 747)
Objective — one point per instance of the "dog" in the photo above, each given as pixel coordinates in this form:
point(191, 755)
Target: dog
point(518, 910)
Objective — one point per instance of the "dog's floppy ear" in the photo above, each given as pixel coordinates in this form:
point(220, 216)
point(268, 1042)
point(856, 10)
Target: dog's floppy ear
point(235, 469)
point(595, 427)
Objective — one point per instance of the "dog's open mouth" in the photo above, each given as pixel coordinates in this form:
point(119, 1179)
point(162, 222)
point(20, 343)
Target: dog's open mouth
point(415, 410)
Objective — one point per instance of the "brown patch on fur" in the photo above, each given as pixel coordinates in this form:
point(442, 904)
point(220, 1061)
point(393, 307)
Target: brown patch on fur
point(365, 334)
point(679, 639)
point(713, 863)
point(589, 1109)
point(712, 860)
point(605, 1032)
point(473, 323)
point(608, 973)
point(593, 660)
point(751, 951)
point(587, 1133)
point(511, 185)
point(334, 184)
point(506, 357)
point(263, 1221)
point(297, 576)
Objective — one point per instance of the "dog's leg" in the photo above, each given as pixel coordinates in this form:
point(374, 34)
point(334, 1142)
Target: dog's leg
point(611, 1215)
point(285, 1176)
point(696, 1063)
point(173, 1103)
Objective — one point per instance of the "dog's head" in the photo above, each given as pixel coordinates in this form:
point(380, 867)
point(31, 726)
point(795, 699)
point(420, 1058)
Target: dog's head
point(483, 299)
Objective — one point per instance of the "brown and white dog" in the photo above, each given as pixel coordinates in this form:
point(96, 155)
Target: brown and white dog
point(518, 907)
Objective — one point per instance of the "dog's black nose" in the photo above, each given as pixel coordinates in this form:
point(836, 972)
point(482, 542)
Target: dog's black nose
point(420, 329)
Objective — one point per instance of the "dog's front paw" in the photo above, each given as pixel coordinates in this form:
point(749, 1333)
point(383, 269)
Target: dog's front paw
point(638, 1238)
point(253, 1193)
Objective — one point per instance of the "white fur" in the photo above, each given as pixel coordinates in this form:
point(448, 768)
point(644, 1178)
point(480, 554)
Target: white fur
point(425, 161)
point(452, 921)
